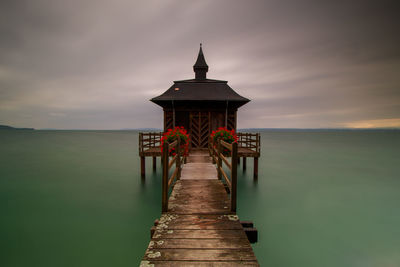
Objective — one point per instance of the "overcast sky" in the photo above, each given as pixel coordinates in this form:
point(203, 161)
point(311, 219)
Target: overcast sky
point(96, 64)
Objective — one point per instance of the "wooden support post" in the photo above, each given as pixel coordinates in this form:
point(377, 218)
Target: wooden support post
point(178, 159)
point(213, 155)
point(234, 177)
point(164, 197)
point(252, 234)
point(244, 163)
point(219, 163)
point(152, 230)
point(245, 224)
point(238, 160)
point(255, 168)
point(154, 163)
point(142, 166)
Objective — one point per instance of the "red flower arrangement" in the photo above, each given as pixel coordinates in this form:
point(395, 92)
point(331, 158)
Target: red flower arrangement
point(173, 134)
point(224, 134)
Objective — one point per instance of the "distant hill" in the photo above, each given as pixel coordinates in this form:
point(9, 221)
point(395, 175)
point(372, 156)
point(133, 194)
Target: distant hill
point(6, 127)
point(141, 129)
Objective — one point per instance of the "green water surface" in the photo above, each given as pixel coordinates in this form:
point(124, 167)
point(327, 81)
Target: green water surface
point(75, 198)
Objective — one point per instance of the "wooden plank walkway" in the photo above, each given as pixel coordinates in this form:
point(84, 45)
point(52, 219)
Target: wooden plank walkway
point(199, 229)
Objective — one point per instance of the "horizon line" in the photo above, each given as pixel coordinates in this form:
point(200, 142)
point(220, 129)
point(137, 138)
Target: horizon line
point(239, 129)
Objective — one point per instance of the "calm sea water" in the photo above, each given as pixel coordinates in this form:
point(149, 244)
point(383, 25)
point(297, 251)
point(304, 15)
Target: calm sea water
point(75, 198)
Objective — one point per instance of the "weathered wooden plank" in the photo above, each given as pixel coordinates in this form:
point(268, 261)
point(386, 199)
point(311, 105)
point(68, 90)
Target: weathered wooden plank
point(200, 234)
point(213, 202)
point(199, 264)
point(200, 254)
point(199, 206)
point(233, 243)
point(210, 197)
point(201, 158)
point(207, 221)
point(205, 186)
point(200, 210)
point(246, 152)
point(189, 183)
point(199, 171)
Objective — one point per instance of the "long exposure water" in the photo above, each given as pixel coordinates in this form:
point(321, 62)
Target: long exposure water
point(323, 198)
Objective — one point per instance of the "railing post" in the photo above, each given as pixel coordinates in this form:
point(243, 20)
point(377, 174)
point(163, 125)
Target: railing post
point(154, 163)
point(213, 155)
point(142, 166)
point(178, 158)
point(219, 159)
point(140, 143)
point(142, 158)
point(164, 197)
point(255, 171)
point(234, 177)
point(210, 152)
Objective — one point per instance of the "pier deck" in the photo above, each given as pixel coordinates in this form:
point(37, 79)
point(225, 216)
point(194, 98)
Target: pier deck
point(199, 227)
point(248, 147)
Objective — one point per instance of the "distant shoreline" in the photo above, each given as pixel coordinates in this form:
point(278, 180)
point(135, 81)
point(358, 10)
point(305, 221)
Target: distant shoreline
point(6, 127)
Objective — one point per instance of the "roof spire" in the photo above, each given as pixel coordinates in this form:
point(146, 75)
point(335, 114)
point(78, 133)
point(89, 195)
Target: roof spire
point(200, 67)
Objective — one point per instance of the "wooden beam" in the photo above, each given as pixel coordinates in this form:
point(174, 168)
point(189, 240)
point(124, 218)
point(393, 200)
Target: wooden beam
point(226, 161)
point(219, 159)
point(174, 175)
point(226, 178)
point(255, 168)
point(227, 145)
point(171, 162)
point(172, 145)
point(164, 196)
point(143, 166)
point(234, 178)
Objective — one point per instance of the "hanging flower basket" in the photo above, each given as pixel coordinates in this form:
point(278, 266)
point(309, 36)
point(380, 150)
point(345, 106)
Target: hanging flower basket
point(226, 135)
point(173, 134)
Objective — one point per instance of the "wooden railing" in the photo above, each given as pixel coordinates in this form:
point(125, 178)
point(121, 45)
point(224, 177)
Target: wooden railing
point(167, 181)
point(149, 140)
point(219, 159)
point(249, 140)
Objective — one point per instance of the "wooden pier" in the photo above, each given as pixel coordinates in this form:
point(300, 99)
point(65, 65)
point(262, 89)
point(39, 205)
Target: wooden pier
point(199, 225)
point(149, 146)
point(248, 147)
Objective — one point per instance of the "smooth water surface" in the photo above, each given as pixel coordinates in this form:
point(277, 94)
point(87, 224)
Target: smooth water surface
point(75, 198)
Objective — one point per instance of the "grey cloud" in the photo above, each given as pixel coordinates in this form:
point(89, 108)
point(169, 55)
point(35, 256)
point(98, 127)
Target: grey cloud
point(303, 63)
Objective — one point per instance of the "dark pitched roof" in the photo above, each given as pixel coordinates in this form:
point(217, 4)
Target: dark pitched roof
point(204, 90)
point(200, 88)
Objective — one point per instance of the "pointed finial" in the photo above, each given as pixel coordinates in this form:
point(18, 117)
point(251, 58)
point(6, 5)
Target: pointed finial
point(200, 67)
